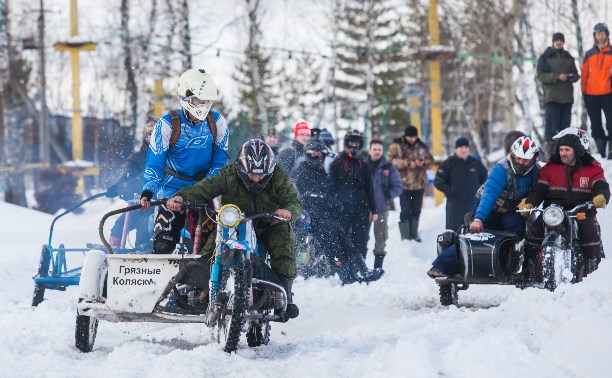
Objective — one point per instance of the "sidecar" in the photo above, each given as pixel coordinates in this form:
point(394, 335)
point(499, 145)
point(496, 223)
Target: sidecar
point(489, 257)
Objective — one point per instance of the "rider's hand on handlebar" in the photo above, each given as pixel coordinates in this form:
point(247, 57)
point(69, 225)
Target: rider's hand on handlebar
point(599, 201)
point(476, 225)
point(175, 203)
point(524, 209)
point(144, 204)
point(285, 214)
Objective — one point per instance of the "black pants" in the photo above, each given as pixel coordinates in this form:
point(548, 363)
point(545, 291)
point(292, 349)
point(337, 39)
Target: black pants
point(411, 202)
point(354, 227)
point(588, 233)
point(168, 226)
point(558, 117)
point(594, 106)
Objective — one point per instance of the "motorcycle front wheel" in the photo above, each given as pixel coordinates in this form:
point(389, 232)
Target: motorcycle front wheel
point(233, 308)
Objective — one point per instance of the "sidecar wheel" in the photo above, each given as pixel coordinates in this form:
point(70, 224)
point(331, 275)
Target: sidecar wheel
point(238, 308)
point(85, 333)
point(448, 294)
point(43, 271)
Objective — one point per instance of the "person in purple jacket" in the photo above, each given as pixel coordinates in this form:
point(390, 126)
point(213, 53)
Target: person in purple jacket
point(387, 185)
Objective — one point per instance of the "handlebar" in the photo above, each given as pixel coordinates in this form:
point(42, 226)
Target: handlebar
point(119, 211)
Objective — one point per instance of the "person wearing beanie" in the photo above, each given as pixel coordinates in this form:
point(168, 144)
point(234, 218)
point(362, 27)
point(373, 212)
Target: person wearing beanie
point(597, 89)
point(288, 156)
point(412, 159)
point(557, 72)
point(459, 177)
point(571, 177)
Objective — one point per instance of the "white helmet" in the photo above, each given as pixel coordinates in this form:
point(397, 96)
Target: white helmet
point(581, 134)
point(196, 92)
point(524, 148)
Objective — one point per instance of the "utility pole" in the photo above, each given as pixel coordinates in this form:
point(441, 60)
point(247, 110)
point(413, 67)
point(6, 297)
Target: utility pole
point(74, 46)
point(43, 131)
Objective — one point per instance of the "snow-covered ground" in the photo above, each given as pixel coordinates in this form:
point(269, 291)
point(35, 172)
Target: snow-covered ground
point(393, 328)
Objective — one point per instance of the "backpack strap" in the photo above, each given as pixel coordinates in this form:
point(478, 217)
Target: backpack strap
point(212, 124)
point(176, 127)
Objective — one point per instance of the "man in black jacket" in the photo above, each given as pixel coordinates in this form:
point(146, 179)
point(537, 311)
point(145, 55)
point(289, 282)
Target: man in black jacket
point(353, 184)
point(288, 156)
point(557, 73)
point(459, 177)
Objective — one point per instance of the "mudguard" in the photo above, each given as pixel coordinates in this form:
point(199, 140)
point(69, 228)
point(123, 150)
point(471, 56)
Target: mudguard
point(487, 257)
point(554, 239)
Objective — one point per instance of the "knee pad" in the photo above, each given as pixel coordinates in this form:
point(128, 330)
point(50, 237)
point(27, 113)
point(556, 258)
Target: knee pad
point(163, 247)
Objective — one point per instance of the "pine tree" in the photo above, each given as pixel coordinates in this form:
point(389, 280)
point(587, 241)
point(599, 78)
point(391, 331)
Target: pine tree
point(300, 88)
point(255, 81)
point(370, 67)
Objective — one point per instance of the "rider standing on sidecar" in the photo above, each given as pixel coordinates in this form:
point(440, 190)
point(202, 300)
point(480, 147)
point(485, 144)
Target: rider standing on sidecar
point(255, 184)
point(571, 177)
point(187, 145)
point(509, 181)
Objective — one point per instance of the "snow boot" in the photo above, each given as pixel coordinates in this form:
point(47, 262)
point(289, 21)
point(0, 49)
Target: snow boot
point(601, 146)
point(414, 227)
point(378, 261)
point(362, 273)
point(590, 265)
point(404, 227)
point(292, 310)
point(345, 272)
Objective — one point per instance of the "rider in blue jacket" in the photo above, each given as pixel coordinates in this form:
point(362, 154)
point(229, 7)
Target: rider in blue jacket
point(509, 181)
point(179, 156)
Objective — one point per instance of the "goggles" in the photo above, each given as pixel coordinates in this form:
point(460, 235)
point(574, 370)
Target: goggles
point(196, 102)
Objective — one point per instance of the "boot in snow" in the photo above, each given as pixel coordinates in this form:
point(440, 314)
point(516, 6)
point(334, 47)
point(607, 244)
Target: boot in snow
point(345, 272)
point(292, 311)
point(414, 227)
point(378, 261)
point(404, 227)
point(362, 273)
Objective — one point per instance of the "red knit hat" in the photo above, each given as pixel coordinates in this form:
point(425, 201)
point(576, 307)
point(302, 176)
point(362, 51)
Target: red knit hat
point(301, 125)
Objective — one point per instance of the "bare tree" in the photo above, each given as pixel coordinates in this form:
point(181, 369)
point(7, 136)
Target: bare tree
point(253, 47)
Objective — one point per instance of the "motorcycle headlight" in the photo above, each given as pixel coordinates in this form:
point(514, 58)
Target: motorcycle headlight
point(553, 216)
point(229, 216)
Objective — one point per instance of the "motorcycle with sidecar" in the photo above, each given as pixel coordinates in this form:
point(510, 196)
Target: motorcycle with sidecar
point(496, 257)
point(234, 293)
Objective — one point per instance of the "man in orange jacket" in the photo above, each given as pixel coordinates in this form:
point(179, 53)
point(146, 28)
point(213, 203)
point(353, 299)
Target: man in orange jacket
point(596, 88)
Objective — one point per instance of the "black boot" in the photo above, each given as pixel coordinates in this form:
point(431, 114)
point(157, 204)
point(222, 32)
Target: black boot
point(601, 146)
point(362, 273)
point(404, 227)
point(414, 229)
point(345, 272)
point(378, 261)
point(292, 310)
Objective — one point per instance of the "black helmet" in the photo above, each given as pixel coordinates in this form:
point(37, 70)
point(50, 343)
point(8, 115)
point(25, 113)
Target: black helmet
point(327, 137)
point(353, 136)
point(256, 158)
point(314, 145)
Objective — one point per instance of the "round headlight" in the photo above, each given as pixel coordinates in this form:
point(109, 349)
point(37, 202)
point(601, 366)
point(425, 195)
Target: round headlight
point(229, 216)
point(553, 216)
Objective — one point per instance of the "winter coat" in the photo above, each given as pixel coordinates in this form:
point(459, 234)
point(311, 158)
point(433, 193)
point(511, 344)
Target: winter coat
point(132, 174)
point(288, 156)
point(192, 155)
point(459, 179)
point(550, 64)
point(404, 156)
point(569, 186)
point(278, 194)
point(503, 190)
point(314, 186)
point(596, 71)
point(353, 183)
point(386, 182)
